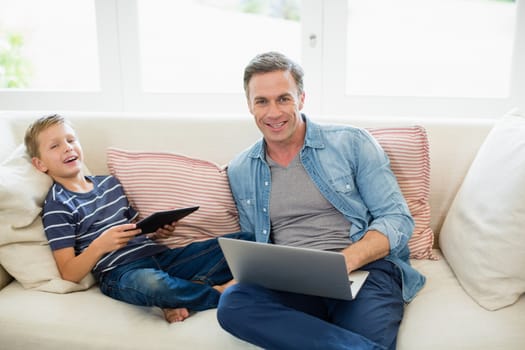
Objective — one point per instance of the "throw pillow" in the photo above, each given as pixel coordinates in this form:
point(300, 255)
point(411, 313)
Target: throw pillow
point(408, 150)
point(156, 181)
point(24, 251)
point(482, 235)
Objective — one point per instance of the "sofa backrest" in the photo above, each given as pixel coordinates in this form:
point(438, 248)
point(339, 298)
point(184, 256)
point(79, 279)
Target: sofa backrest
point(453, 142)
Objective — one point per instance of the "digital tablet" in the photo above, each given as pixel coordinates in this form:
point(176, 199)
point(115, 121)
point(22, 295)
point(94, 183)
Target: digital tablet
point(159, 219)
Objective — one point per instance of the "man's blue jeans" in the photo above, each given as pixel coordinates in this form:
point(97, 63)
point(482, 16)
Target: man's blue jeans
point(180, 277)
point(281, 320)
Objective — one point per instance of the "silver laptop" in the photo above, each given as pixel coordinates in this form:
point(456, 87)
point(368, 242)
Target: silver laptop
point(292, 269)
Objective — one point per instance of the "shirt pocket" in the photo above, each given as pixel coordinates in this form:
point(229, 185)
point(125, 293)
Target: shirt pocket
point(247, 214)
point(344, 185)
point(349, 197)
point(246, 206)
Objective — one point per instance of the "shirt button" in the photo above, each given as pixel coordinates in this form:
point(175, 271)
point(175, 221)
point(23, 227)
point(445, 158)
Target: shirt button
point(248, 201)
point(347, 187)
point(264, 209)
point(264, 232)
point(266, 183)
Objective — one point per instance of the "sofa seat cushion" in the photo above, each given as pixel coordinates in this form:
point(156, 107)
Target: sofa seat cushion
point(443, 316)
point(91, 320)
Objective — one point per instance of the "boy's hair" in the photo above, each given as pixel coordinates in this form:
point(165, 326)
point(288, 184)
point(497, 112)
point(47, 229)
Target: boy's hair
point(39, 125)
point(270, 62)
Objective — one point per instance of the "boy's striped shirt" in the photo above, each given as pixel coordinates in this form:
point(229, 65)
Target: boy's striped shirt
point(76, 219)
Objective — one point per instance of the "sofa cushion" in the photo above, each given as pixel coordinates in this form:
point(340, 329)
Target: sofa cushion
point(91, 320)
point(482, 236)
point(24, 251)
point(408, 150)
point(156, 181)
point(444, 317)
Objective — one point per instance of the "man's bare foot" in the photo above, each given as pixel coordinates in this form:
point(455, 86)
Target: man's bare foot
point(176, 315)
point(222, 287)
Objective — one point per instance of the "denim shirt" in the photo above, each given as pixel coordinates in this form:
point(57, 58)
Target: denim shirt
point(352, 172)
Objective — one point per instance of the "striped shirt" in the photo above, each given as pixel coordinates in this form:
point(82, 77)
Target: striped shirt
point(76, 219)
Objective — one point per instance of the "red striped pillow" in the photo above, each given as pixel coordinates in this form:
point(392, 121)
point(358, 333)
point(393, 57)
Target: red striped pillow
point(408, 150)
point(156, 181)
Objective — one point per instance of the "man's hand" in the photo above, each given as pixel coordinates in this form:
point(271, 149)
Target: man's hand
point(373, 246)
point(75, 267)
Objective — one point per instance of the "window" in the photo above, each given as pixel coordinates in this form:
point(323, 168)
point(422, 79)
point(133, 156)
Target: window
point(201, 46)
point(444, 48)
point(422, 57)
point(42, 48)
point(189, 55)
point(451, 58)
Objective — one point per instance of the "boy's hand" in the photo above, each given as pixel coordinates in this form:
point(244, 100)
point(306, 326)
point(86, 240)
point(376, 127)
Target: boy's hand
point(75, 267)
point(163, 232)
point(116, 237)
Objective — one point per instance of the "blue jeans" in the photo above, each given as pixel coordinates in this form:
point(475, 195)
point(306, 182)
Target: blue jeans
point(180, 277)
point(282, 320)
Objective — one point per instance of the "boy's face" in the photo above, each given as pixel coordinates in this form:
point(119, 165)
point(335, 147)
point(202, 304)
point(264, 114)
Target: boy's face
point(60, 153)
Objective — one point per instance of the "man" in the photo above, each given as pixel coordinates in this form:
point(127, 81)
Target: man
point(323, 187)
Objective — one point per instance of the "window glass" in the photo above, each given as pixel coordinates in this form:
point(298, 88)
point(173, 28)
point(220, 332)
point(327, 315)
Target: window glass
point(48, 45)
point(202, 46)
point(448, 48)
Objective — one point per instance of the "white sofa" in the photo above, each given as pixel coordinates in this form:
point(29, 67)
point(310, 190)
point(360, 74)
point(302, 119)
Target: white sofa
point(442, 316)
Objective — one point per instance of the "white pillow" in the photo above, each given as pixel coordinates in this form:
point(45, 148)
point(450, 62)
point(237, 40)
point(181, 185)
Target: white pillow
point(24, 251)
point(483, 235)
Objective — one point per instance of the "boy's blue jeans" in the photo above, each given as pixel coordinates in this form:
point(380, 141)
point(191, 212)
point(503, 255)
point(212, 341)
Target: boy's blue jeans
point(282, 320)
point(180, 277)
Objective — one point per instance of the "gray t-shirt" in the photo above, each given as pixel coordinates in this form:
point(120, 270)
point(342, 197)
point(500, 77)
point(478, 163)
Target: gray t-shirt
point(300, 215)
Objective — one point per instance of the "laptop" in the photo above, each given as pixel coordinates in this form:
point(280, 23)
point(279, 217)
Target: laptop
point(292, 269)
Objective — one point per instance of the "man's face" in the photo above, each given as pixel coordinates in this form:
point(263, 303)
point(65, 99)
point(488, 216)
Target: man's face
point(60, 153)
point(275, 102)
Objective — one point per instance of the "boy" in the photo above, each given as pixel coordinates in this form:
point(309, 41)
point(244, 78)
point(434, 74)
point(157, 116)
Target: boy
point(88, 222)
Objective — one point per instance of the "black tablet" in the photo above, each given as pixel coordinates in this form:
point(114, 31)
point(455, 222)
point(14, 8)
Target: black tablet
point(159, 219)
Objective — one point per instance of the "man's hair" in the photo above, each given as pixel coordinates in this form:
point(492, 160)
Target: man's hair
point(270, 62)
point(39, 125)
